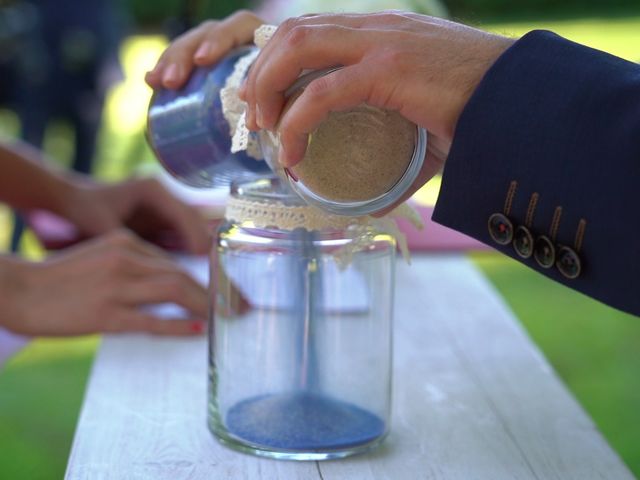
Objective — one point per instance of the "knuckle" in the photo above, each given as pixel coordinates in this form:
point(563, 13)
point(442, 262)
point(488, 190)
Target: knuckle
point(393, 59)
point(180, 278)
point(171, 289)
point(208, 25)
point(320, 87)
point(391, 16)
point(243, 14)
point(120, 238)
point(117, 261)
point(288, 24)
point(297, 35)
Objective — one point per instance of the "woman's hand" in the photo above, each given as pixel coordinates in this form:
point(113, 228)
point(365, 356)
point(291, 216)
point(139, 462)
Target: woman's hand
point(142, 205)
point(101, 285)
point(201, 46)
point(425, 68)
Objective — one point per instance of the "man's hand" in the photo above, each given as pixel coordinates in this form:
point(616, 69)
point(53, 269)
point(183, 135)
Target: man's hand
point(423, 67)
point(101, 285)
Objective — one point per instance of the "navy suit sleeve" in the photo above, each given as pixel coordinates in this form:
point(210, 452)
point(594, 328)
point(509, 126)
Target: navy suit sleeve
point(562, 121)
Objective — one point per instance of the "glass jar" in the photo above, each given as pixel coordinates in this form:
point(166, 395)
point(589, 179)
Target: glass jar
point(188, 132)
point(300, 332)
point(358, 162)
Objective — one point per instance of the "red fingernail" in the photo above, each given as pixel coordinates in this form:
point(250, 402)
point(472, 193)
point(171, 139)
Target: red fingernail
point(290, 174)
point(196, 327)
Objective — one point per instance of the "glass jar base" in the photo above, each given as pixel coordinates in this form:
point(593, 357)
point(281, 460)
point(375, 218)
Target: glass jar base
point(299, 426)
point(296, 456)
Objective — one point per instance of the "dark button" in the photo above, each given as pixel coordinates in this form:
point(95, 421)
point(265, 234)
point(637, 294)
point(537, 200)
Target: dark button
point(523, 242)
point(568, 262)
point(500, 228)
point(544, 252)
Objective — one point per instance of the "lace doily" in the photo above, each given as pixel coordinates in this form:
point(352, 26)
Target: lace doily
point(359, 230)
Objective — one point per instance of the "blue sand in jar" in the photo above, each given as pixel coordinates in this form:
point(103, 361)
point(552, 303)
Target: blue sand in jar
point(302, 421)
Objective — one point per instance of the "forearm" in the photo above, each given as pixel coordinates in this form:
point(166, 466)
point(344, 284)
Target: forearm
point(26, 182)
point(560, 122)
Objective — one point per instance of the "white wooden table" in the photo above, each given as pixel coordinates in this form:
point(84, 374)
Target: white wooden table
point(473, 399)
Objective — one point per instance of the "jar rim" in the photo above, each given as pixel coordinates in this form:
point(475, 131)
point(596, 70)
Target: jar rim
point(376, 204)
point(266, 188)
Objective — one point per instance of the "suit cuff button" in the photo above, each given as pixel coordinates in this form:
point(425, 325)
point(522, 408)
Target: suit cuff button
point(568, 262)
point(500, 228)
point(544, 252)
point(523, 242)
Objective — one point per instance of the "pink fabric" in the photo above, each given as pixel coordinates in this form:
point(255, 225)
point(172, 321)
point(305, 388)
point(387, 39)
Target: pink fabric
point(435, 237)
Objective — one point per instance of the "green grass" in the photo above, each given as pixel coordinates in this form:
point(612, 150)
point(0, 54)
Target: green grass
point(41, 391)
point(620, 35)
point(593, 348)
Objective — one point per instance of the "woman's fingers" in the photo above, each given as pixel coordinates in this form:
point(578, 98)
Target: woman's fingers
point(178, 288)
point(139, 321)
point(183, 219)
point(110, 246)
point(232, 32)
point(203, 45)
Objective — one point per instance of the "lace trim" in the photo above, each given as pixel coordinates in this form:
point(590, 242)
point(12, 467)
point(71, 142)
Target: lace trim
point(233, 109)
point(263, 34)
point(358, 229)
point(287, 217)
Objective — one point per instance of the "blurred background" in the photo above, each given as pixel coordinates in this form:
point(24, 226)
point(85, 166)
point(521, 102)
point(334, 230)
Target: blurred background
point(71, 82)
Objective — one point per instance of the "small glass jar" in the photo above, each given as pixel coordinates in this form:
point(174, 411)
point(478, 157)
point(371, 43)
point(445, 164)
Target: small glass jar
point(189, 134)
point(300, 332)
point(358, 162)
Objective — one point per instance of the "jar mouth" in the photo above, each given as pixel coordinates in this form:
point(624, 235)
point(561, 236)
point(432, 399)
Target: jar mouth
point(270, 188)
point(376, 204)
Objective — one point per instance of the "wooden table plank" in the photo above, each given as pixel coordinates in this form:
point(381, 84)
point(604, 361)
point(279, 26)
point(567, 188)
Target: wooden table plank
point(473, 398)
point(144, 416)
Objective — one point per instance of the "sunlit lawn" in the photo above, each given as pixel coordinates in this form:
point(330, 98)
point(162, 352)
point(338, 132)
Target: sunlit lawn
point(595, 349)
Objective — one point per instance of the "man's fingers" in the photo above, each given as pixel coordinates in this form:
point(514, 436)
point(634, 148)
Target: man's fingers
point(287, 55)
point(337, 91)
point(309, 42)
point(324, 46)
